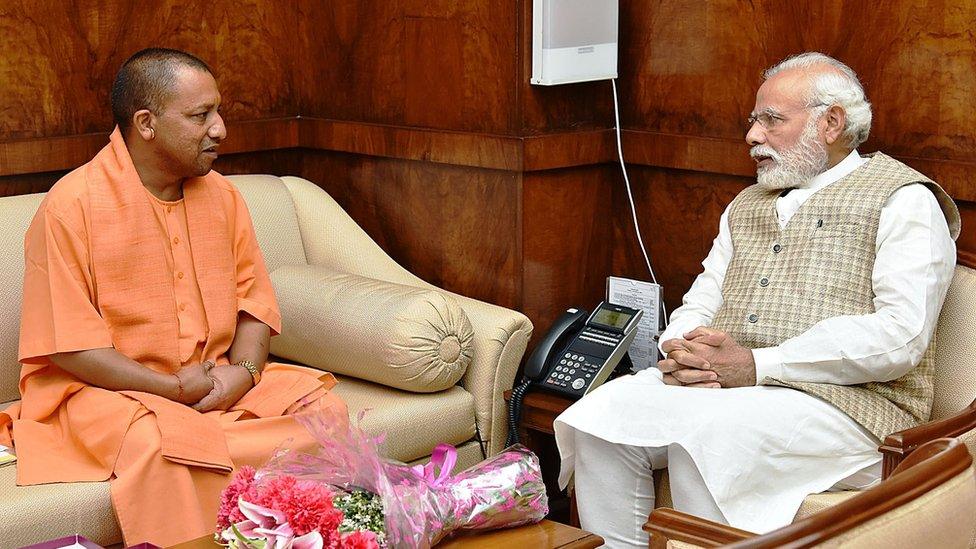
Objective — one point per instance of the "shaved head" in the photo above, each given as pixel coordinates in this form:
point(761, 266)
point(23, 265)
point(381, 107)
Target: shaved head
point(145, 81)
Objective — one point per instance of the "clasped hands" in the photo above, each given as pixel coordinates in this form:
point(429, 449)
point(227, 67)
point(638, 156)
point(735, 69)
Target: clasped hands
point(207, 387)
point(707, 358)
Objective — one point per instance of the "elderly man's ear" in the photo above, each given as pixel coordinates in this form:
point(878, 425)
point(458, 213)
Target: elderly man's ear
point(836, 120)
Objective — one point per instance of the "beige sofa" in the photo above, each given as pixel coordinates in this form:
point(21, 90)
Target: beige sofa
point(297, 224)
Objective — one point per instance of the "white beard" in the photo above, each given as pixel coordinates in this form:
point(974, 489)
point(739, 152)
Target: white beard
point(795, 167)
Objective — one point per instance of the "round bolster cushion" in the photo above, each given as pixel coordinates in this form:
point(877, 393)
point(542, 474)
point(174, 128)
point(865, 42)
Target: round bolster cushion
point(409, 338)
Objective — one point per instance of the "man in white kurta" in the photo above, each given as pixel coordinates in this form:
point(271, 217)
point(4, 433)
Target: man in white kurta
point(748, 455)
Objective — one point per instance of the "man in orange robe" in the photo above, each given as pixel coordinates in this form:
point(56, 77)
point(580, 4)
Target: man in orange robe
point(146, 318)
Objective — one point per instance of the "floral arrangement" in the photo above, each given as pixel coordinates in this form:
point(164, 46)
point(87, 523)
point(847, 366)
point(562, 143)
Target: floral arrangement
point(344, 495)
point(287, 513)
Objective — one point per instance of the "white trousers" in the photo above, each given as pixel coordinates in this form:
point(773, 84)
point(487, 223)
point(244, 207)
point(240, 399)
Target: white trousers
point(746, 456)
point(615, 488)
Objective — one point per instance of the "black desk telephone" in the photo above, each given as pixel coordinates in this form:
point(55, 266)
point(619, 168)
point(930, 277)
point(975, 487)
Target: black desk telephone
point(576, 355)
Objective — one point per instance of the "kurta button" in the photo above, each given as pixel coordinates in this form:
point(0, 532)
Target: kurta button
point(169, 209)
point(182, 306)
point(764, 282)
point(180, 275)
point(176, 240)
point(777, 248)
point(753, 318)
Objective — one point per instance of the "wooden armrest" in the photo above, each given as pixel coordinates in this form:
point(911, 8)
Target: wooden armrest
point(667, 524)
point(897, 446)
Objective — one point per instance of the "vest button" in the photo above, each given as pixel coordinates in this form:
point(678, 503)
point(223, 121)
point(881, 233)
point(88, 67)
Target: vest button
point(753, 318)
point(764, 282)
point(777, 248)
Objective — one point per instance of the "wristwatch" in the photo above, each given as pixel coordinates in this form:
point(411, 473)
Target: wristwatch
point(251, 368)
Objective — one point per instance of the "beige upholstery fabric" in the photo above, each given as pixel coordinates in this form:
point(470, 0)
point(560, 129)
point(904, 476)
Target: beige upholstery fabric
point(955, 359)
point(814, 503)
point(413, 423)
point(941, 518)
point(332, 239)
point(675, 544)
point(273, 216)
point(17, 213)
point(662, 489)
point(406, 337)
point(32, 514)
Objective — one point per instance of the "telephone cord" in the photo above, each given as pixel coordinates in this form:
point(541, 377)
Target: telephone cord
point(515, 411)
point(630, 196)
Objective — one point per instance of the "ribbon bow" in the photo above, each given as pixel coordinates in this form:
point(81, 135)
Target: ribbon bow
point(438, 470)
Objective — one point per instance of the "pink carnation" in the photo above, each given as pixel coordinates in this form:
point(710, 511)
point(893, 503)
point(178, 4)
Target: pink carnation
point(307, 505)
point(360, 539)
point(240, 486)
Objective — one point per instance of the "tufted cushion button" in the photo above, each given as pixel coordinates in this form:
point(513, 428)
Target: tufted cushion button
point(777, 248)
point(409, 338)
point(753, 318)
point(764, 281)
point(450, 349)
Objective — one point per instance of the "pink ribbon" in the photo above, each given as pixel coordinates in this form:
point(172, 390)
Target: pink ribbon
point(438, 470)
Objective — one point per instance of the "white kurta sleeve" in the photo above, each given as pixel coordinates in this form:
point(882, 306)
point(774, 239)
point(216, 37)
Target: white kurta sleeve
point(703, 300)
point(913, 267)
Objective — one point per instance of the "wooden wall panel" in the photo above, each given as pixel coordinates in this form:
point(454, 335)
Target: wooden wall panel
point(690, 67)
point(678, 213)
point(567, 233)
point(435, 64)
point(455, 227)
point(58, 59)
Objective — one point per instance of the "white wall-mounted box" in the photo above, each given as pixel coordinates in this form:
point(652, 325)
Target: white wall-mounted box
point(573, 41)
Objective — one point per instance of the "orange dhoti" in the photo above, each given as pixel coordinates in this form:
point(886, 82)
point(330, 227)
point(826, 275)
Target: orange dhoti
point(185, 499)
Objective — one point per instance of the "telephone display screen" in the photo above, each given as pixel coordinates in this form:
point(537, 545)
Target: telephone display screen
point(612, 319)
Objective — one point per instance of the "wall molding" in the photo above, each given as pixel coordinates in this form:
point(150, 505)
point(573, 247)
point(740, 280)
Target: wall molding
point(498, 152)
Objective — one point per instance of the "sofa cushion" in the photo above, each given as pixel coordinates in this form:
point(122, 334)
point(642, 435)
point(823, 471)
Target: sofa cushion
point(31, 514)
point(413, 423)
point(410, 338)
point(17, 214)
point(273, 215)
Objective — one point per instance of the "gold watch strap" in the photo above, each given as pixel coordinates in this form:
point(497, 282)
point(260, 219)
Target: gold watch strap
point(250, 367)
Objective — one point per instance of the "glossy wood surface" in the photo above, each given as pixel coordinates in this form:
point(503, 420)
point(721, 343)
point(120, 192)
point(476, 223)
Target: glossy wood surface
point(454, 226)
point(543, 535)
point(898, 446)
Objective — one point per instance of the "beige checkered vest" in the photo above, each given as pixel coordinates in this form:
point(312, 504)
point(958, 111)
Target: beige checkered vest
point(781, 282)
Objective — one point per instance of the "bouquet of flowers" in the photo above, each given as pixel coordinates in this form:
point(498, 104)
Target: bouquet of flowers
point(287, 513)
point(345, 495)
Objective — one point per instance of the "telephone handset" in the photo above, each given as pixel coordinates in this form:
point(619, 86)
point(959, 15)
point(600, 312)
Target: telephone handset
point(576, 355)
point(566, 325)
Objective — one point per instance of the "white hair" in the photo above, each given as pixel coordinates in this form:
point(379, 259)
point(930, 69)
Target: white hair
point(833, 87)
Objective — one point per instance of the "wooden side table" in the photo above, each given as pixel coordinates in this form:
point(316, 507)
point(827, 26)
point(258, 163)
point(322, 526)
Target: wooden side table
point(544, 535)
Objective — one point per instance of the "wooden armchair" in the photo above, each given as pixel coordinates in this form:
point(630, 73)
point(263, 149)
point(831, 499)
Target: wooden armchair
point(928, 501)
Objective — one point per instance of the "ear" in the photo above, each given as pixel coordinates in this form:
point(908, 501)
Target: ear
point(836, 120)
point(143, 121)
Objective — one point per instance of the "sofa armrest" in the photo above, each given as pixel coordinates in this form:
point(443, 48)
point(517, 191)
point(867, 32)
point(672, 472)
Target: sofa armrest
point(898, 446)
point(333, 239)
point(500, 338)
point(664, 525)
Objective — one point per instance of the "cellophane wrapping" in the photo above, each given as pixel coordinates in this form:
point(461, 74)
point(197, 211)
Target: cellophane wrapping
point(421, 504)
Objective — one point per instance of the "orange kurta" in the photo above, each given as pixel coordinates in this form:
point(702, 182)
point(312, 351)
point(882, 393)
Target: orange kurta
point(110, 265)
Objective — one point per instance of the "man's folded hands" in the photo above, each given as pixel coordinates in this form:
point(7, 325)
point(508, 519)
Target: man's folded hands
point(707, 358)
